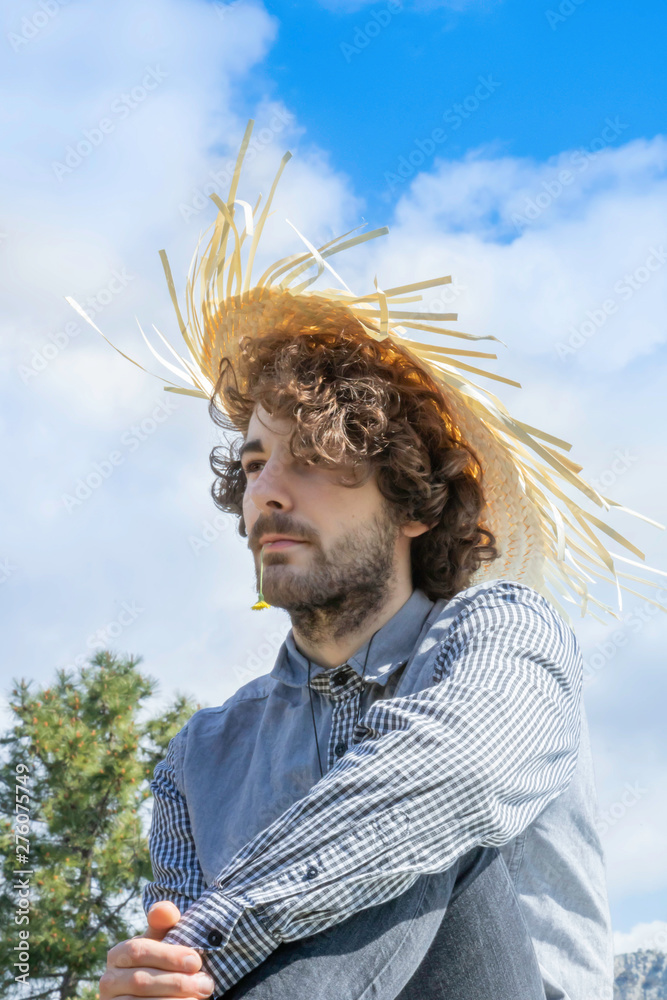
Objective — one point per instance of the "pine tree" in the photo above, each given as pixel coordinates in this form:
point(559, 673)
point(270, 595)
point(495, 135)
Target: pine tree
point(75, 807)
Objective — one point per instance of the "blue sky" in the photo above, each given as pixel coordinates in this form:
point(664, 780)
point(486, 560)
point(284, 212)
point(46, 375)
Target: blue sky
point(557, 78)
point(521, 100)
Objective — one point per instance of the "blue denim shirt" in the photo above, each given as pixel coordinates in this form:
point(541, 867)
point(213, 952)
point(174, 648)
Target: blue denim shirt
point(244, 764)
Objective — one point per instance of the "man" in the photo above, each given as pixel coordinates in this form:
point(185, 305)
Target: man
point(445, 726)
point(405, 805)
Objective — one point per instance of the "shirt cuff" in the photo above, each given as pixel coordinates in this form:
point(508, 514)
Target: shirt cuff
point(228, 936)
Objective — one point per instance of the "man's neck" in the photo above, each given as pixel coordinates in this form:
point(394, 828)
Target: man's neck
point(330, 650)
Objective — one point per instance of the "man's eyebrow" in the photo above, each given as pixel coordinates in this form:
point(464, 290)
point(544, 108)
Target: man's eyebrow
point(255, 446)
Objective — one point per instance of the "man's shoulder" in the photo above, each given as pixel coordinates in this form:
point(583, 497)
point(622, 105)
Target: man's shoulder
point(494, 593)
point(504, 604)
point(213, 716)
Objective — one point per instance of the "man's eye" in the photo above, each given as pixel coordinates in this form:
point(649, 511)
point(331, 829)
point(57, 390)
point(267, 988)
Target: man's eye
point(251, 466)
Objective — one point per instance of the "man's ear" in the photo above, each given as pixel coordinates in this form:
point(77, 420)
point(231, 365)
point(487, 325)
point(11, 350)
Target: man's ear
point(411, 529)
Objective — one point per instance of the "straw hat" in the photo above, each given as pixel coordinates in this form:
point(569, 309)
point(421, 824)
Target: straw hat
point(545, 538)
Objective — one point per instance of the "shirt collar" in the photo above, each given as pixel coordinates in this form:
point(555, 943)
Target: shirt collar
point(391, 646)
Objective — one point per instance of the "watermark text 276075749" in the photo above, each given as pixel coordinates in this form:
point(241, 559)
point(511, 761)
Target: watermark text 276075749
point(22, 873)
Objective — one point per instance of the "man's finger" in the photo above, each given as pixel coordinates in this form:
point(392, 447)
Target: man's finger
point(142, 951)
point(161, 917)
point(145, 982)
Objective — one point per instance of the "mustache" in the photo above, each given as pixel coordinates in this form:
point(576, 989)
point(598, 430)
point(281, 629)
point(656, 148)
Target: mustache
point(279, 524)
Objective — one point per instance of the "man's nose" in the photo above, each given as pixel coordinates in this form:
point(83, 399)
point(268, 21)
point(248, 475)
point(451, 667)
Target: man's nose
point(270, 488)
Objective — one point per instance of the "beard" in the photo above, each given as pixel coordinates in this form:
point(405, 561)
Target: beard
point(341, 588)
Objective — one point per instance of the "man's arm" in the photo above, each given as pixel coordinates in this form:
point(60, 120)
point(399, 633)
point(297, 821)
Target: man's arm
point(145, 966)
point(177, 874)
point(471, 760)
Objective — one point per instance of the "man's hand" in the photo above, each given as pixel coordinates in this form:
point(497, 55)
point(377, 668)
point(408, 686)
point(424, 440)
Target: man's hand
point(144, 967)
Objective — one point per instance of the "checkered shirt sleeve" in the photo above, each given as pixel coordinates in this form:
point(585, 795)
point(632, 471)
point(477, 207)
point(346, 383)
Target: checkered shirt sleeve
point(470, 760)
point(177, 875)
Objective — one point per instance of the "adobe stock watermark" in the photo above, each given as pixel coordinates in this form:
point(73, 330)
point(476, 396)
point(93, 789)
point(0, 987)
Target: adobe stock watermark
point(41, 358)
point(657, 941)
point(454, 117)
point(219, 179)
point(609, 817)
point(22, 870)
point(631, 621)
point(441, 302)
point(33, 24)
point(121, 108)
point(94, 304)
point(223, 9)
point(447, 296)
point(260, 660)
point(101, 638)
point(7, 569)
point(364, 34)
point(566, 9)
point(622, 461)
point(625, 288)
point(579, 160)
point(210, 532)
point(131, 440)
point(271, 809)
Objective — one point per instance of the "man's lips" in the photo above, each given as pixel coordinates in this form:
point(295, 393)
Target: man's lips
point(278, 542)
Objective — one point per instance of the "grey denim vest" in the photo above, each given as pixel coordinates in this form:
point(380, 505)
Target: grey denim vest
point(242, 764)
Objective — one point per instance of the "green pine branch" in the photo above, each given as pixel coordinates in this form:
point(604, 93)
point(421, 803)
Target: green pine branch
point(83, 751)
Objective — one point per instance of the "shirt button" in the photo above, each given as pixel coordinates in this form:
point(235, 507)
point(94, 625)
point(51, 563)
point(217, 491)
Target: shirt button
point(214, 938)
point(311, 873)
point(339, 677)
point(340, 749)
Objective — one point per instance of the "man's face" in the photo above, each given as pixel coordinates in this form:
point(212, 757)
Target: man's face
point(345, 542)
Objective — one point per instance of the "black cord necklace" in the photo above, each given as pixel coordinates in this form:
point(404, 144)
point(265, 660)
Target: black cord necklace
point(312, 710)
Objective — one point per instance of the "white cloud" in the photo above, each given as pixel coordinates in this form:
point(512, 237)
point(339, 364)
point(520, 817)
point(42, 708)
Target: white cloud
point(574, 275)
point(633, 816)
point(650, 937)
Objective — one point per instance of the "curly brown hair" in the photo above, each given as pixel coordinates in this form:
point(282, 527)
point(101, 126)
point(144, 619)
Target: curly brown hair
point(368, 403)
